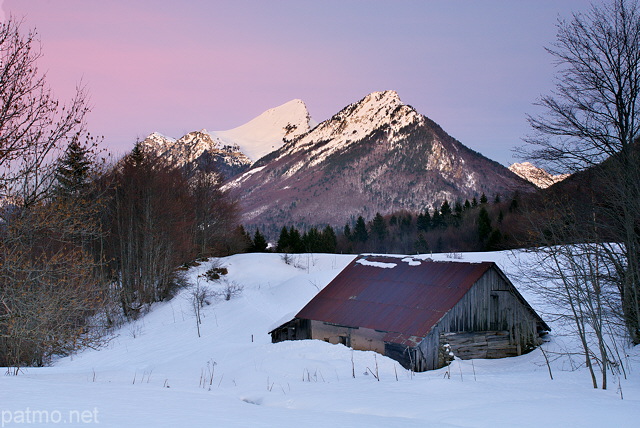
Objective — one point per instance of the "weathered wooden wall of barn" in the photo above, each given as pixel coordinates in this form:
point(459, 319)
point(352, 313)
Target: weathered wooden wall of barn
point(490, 321)
point(296, 329)
point(361, 338)
point(482, 344)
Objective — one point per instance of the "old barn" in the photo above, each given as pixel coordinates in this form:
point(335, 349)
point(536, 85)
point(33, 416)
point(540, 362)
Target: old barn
point(420, 312)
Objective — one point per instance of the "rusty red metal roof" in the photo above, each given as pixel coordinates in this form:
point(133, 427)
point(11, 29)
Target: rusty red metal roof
point(395, 295)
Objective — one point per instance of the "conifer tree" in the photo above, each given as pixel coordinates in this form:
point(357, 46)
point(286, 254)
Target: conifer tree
point(72, 173)
point(493, 242)
point(259, 242)
point(445, 209)
point(436, 220)
point(347, 232)
point(312, 241)
point(295, 241)
point(484, 224)
point(360, 231)
point(514, 206)
point(284, 244)
point(329, 240)
point(423, 223)
point(379, 227)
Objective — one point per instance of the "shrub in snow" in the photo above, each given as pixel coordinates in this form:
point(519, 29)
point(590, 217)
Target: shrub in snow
point(229, 290)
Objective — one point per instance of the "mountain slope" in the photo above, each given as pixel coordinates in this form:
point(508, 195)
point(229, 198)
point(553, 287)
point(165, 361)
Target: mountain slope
point(232, 152)
point(376, 155)
point(535, 175)
point(199, 149)
point(270, 130)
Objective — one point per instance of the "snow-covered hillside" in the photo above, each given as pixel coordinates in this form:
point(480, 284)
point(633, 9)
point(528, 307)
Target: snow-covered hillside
point(157, 372)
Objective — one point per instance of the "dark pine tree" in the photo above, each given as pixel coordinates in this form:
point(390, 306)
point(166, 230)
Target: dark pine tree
point(72, 174)
point(312, 241)
point(259, 243)
point(484, 224)
point(379, 227)
point(360, 231)
point(437, 220)
point(445, 209)
point(283, 244)
point(242, 240)
point(329, 240)
point(295, 241)
point(423, 222)
point(347, 232)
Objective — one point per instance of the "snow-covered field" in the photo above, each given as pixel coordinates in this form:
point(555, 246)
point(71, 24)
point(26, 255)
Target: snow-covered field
point(157, 372)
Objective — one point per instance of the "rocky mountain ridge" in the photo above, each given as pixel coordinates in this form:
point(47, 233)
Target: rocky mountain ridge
point(199, 149)
point(232, 152)
point(375, 155)
point(538, 176)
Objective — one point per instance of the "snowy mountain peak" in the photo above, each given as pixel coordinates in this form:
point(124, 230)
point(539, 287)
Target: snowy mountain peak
point(376, 111)
point(373, 108)
point(270, 130)
point(233, 151)
point(535, 175)
point(160, 138)
point(382, 97)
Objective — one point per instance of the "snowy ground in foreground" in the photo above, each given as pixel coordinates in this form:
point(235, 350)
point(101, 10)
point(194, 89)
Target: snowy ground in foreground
point(150, 374)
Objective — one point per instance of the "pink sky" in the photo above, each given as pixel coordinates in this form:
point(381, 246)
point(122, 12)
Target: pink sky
point(475, 67)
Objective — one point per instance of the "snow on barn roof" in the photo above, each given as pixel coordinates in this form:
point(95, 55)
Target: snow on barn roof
point(403, 296)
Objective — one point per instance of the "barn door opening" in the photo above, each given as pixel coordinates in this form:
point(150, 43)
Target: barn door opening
point(495, 318)
point(345, 340)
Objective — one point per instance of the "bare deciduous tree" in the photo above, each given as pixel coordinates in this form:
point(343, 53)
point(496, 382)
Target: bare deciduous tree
point(49, 291)
point(152, 221)
point(33, 123)
point(591, 122)
point(580, 284)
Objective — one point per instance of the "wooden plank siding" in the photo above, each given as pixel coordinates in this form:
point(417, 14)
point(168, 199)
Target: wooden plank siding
point(296, 329)
point(490, 321)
